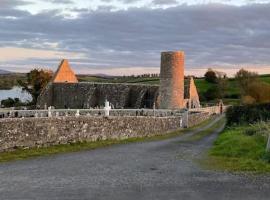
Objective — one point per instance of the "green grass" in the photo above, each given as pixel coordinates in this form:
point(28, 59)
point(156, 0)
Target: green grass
point(21, 154)
point(208, 131)
point(236, 151)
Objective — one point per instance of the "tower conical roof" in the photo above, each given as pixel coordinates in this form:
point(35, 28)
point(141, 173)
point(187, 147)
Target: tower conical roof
point(64, 74)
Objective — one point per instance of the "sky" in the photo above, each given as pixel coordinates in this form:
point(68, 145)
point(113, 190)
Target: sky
point(123, 37)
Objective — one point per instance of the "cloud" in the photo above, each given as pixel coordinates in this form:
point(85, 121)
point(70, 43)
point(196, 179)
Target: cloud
point(212, 35)
point(13, 3)
point(18, 54)
point(61, 1)
point(164, 2)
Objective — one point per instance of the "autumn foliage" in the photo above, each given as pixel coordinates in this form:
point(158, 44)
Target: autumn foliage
point(37, 79)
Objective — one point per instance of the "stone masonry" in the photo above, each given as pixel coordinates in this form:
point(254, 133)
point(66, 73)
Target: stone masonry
point(92, 95)
point(64, 91)
point(38, 132)
point(172, 80)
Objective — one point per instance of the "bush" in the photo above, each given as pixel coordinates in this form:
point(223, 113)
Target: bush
point(11, 102)
point(210, 76)
point(232, 96)
point(248, 114)
point(212, 93)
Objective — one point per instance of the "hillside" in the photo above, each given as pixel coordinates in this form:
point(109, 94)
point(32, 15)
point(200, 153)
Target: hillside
point(4, 72)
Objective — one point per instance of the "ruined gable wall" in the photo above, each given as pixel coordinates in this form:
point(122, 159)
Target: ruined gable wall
point(193, 94)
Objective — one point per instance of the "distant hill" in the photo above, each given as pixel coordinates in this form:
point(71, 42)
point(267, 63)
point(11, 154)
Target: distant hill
point(5, 72)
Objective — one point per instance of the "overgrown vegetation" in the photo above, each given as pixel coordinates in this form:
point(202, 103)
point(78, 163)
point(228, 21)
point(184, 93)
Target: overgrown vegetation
point(245, 144)
point(253, 90)
point(240, 149)
point(247, 114)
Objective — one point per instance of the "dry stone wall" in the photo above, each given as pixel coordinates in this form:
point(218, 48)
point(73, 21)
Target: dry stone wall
point(38, 132)
point(32, 132)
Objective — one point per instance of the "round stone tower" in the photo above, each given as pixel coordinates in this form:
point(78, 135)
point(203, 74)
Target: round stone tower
point(172, 80)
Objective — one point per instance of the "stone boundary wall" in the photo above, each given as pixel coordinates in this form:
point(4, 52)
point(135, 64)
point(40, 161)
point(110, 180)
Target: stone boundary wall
point(40, 132)
point(197, 118)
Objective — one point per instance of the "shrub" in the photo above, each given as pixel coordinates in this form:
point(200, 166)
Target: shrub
point(210, 76)
point(212, 93)
point(9, 102)
point(248, 114)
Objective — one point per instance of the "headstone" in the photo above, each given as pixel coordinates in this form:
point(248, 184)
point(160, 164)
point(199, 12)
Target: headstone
point(50, 111)
point(77, 113)
point(107, 108)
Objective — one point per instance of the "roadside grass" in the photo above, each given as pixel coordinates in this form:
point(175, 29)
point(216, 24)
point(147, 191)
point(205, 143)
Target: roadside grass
point(236, 151)
point(21, 154)
point(208, 131)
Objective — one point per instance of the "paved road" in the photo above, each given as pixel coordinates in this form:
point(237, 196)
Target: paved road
point(162, 170)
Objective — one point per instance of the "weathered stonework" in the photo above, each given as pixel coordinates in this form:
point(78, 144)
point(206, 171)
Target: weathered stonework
point(64, 91)
point(38, 132)
point(91, 95)
point(172, 80)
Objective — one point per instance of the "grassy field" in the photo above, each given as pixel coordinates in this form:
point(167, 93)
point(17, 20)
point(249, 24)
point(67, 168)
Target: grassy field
point(235, 150)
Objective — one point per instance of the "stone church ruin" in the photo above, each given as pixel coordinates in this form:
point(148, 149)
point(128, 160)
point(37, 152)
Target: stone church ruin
point(64, 91)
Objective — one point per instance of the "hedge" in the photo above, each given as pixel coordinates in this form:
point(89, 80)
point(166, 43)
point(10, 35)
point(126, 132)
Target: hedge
point(248, 114)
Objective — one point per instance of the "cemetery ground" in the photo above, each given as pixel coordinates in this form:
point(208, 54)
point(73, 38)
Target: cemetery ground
point(183, 164)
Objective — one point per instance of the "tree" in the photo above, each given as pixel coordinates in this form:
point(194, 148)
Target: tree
point(210, 76)
point(222, 86)
point(244, 79)
point(253, 90)
point(37, 79)
point(212, 93)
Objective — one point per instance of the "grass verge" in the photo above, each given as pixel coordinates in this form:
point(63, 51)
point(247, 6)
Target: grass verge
point(236, 151)
point(208, 131)
point(20, 154)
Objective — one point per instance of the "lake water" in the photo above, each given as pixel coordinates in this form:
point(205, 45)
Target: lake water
point(15, 92)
